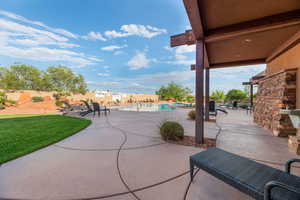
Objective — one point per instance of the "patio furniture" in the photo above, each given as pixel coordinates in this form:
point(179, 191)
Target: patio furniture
point(88, 108)
point(235, 105)
point(70, 107)
point(213, 110)
point(97, 108)
point(257, 180)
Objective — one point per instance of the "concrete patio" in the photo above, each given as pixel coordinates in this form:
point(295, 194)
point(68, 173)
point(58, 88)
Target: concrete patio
point(122, 157)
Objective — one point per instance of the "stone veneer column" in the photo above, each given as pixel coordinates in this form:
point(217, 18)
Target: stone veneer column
point(276, 92)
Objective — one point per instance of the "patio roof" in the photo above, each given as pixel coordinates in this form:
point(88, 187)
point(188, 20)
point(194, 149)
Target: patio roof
point(235, 33)
point(238, 32)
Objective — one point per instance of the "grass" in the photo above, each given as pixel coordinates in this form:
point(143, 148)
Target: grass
point(23, 134)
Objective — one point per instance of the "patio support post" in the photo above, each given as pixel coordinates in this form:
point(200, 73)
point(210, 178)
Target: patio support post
point(199, 127)
point(251, 95)
point(207, 86)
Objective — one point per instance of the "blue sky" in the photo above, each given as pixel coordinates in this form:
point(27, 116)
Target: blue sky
point(118, 45)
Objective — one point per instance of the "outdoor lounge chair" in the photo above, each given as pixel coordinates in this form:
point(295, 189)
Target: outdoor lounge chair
point(213, 110)
point(97, 108)
point(257, 180)
point(88, 109)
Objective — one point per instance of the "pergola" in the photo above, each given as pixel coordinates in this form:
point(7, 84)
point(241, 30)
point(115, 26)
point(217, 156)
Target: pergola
point(254, 81)
point(235, 33)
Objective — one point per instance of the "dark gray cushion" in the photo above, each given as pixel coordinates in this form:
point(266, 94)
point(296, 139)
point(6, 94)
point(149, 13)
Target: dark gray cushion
point(244, 174)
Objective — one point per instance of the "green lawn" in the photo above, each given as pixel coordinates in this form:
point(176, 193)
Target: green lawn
point(23, 134)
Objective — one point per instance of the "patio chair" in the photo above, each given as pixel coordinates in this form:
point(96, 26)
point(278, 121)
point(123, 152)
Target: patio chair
point(97, 108)
point(88, 108)
point(213, 110)
point(70, 107)
point(257, 180)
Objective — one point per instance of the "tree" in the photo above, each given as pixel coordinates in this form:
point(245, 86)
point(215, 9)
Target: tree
point(236, 95)
point(218, 96)
point(173, 90)
point(62, 79)
point(26, 77)
point(20, 77)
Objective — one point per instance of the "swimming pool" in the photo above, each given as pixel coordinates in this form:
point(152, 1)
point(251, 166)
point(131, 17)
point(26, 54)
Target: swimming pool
point(148, 107)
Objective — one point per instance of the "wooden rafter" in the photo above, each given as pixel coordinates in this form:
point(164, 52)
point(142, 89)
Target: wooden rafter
point(234, 64)
point(193, 11)
point(254, 26)
point(238, 63)
point(294, 40)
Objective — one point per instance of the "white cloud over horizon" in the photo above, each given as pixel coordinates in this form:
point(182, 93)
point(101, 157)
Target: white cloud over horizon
point(39, 42)
point(94, 36)
point(25, 20)
point(139, 61)
point(137, 30)
point(113, 47)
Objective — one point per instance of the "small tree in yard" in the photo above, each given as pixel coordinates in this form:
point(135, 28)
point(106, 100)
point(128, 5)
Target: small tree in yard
point(218, 96)
point(236, 95)
point(173, 90)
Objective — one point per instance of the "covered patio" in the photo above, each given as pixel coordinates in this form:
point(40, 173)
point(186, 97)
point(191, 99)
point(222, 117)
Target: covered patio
point(235, 33)
point(113, 159)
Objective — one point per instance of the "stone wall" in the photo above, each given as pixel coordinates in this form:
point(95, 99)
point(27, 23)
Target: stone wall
point(276, 92)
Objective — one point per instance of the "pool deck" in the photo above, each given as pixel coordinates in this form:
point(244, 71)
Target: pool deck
point(122, 157)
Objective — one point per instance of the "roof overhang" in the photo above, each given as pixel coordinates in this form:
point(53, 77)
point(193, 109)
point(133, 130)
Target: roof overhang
point(239, 32)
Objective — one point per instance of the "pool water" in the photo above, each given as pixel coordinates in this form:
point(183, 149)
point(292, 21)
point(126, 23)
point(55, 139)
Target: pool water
point(148, 107)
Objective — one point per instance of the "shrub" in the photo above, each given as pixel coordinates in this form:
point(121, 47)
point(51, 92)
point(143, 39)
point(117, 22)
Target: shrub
point(2, 107)
point(171, 131)
point(3, 97)
point(37, 99)
point(59, 103)
point(192, 115)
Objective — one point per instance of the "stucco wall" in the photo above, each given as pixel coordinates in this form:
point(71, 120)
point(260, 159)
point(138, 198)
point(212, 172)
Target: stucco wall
point(288, 60)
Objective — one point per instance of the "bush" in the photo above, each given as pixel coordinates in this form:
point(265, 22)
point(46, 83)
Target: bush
point(2, 107)
point(192, 115)
point(3, 98)
point(11, 102)
point(37, 99)
point(59, 103)
point(171, 131)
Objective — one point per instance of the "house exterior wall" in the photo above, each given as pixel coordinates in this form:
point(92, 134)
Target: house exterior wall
point(276, 92)
point(288, 60)
point(280, 89)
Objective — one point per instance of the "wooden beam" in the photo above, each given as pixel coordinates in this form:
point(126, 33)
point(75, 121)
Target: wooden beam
point(238, 63)
point(247, 83)
point(251, 95)
point(207, 87)
point(199, 125)
point(193, 11)
point(193, 67)
point(187, 38)
point(263, 24)
point(233, 64)
point(290, 43)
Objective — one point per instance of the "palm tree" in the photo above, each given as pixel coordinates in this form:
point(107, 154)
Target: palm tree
point(218, 96)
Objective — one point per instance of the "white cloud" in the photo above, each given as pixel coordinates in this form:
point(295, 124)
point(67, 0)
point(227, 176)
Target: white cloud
point(180, 55)
point(185, 49)
point(24, 20)
point(94, 36)
point(30, 43)
point(139, 61)
point(103, 74)
point(113, 47)
point(117, 53)
point(137, 30)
